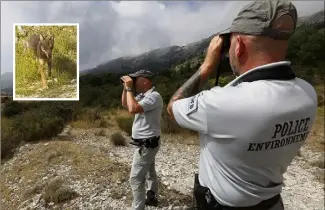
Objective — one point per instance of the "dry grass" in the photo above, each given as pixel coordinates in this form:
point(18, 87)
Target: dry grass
point(320, 176)
point(320, 93)
point(27, 172)
point(116, 114)
point(80, 162)
point(319, 164)
point(100, 132)
point(92, 118)
point(172, 197)
point(315, 139)
point(182, 138)
point(125, 124)
point(316, 143)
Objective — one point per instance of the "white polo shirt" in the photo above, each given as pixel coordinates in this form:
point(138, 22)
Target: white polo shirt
point(147, 124)
point(249, 134)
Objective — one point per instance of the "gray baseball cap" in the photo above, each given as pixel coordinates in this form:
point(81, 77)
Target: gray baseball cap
point(142, 73)
point(261, 18)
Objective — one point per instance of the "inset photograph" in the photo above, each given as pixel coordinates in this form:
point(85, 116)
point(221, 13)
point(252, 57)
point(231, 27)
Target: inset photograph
point(46, 62)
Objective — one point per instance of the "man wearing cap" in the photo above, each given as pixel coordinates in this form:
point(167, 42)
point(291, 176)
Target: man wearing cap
point(251, 129)
point(147, 106)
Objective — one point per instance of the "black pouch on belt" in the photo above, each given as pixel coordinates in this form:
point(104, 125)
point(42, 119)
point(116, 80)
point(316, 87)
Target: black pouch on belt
point(203, 199)
point(151, 142)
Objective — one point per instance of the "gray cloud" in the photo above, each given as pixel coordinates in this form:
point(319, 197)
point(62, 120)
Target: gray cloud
point(112, 29)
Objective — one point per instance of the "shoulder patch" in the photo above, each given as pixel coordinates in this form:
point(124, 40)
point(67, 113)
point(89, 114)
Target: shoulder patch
point(192, 104)
point(151, 99)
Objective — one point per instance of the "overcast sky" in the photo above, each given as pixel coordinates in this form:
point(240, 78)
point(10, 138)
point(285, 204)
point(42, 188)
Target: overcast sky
point(113, 29)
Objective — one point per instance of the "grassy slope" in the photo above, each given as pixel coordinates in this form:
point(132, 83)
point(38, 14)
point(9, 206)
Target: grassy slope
point(64, 66)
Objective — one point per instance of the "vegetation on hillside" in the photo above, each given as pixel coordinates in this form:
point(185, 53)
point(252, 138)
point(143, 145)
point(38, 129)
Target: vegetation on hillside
point(64, 64)
point(39, 120)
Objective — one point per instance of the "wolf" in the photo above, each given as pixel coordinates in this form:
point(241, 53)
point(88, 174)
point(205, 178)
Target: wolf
point(42, 47)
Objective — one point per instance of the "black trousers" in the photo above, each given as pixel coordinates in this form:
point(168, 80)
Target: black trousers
point(204, 200)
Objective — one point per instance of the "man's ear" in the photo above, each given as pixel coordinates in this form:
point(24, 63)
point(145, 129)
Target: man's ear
point(240, 46)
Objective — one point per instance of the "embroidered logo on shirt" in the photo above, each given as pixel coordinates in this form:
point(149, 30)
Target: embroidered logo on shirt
point(192, 105)
point(151, 99)
point(139, 97)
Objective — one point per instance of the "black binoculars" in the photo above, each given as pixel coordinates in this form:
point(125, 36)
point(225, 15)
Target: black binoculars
point(224, 64)
point(123, 81)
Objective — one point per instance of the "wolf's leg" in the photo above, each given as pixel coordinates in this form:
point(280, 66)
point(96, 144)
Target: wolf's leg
point(37, 60)
point(25, 45)
point(41, 70)
point(49, 67)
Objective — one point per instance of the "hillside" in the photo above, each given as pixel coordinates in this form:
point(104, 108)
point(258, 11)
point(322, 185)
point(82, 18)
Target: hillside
point(164, 58)
point(6, 82)
point(306, 51)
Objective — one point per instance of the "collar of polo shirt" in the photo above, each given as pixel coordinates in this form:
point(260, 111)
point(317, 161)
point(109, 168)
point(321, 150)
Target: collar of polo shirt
point(279, 63)
point(149, 91)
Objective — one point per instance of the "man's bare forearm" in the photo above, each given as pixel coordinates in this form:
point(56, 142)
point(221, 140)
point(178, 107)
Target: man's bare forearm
point(191, 87)
point(124, 100)
point(196, 82)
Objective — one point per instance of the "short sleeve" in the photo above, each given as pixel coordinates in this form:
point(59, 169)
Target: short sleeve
point(150, 102)
point(191, 112)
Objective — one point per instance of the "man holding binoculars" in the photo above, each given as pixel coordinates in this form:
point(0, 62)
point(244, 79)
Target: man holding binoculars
point(147, 106)
point(251, 129)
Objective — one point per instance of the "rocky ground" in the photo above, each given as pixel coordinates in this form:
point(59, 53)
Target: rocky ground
point(109, 189)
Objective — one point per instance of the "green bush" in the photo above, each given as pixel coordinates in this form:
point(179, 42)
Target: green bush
point(9, 137)
point(12, 108)
point(34, 124)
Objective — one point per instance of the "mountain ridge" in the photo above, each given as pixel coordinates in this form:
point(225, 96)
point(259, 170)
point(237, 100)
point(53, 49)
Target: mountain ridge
point(161, 59)
point(7, 82)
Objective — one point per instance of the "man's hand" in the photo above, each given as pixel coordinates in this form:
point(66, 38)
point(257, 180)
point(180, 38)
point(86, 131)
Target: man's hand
point(193, 85)
point(128, 82)
point(212, 57)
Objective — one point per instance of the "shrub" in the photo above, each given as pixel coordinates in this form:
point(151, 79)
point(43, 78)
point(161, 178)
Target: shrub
point(12, 108)
point(90, 118)
point(56, 192)
point(43, 122)
point(169, 126)
point(125, 124)
point(9, 137)
point(37, 124)
point(103, 123)
point(117, 139)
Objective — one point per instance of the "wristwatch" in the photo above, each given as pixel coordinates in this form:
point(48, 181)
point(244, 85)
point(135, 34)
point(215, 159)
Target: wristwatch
point(128, 89)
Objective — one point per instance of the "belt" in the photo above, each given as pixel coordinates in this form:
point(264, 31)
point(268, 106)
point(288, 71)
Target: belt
point(203, 199)
point(151, 142)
